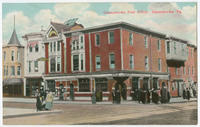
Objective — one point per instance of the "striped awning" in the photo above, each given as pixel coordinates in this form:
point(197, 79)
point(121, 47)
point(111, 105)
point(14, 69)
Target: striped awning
point(13, 81)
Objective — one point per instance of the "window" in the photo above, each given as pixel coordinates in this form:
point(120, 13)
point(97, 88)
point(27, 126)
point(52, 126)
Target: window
point(73, 45)
point(97, 39)
point(18, 70)
point(112, 61)
point(53, 64)
point(58, 46)
point(81, 62)
point(7, 71)
point(18, 56)
point(111, 37)
point(158, 45)
point(12, 55)
point(101, 84)
point(77, 45)
point(131, 62)
point(131, 38)
point(30, 48)
point(75, 62)
point(82, 42)
point(174, 47)
point(4, 70)
point(159, 64)
point(29, 66)
point(58, 64)
point(168, 47)
point(4, 56)
point(84, 85)
point(146, 63)
point(13, 70)
point(135, 84)
point(54, 46)
point(36, 66)
point(36, 48)
point(98, 62)
point(146, 41)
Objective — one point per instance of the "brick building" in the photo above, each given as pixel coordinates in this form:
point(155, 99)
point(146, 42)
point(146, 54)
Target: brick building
point(97, 58)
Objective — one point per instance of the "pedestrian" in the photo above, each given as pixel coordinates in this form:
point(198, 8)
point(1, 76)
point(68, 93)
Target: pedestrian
point(188, 94)
point(184, 94)
point(38, 102)
point(49, 101)
point(113, 96)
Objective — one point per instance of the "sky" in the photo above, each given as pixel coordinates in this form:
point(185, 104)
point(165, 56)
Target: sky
point(29, 17)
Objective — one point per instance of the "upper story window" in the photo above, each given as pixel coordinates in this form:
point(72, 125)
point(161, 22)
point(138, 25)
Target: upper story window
point(184, 70)
point(12, 55)
point(74, 45)
point(98, 62)
point(4, 56)
point(146, 41)
point(176, 71)
point(159, 64)
point(158, 45)
point(174, 47)
point(29, 66)
point(77, 45)
point(82, 64)
point(58, 45)
point(183, 50)
point(18, 56)
point(131, 61)
point(36, 66)
point(51, 47)
point(82, 42)
point(4, 70)
point(18, 70)
point(112, 61)
point(58, 64)
point(52, 65)
point(130, 38)
point(97, 39)
point(36, 48)
point(75, 62)
point(111, 37)
point(191, 52)
point(146, 63)
point(168, 47)
point(13, 70)
point(54, 46)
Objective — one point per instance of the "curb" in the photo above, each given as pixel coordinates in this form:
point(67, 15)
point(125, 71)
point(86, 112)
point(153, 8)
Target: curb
point(32, 114)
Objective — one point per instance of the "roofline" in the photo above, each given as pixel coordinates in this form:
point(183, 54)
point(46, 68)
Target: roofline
point(113, 24)
point(178, 39)
point(32, 34)
point(191, 45)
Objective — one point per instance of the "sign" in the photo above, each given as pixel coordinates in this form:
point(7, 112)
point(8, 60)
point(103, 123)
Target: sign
point(71, 22)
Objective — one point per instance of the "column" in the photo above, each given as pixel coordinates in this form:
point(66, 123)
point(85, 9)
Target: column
point(24, 86)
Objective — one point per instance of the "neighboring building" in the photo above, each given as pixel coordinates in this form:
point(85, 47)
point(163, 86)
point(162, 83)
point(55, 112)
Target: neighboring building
point(34, 62)
point(98, 57)
point(13, 64)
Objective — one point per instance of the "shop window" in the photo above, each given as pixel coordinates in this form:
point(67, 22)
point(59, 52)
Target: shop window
point(84, 85)
point(135, 83)
point(101, 84)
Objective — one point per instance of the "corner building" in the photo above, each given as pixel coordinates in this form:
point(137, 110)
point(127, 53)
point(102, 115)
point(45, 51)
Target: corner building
point(97, 58)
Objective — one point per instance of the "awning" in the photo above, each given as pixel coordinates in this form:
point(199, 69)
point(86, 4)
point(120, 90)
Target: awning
point(13, 81)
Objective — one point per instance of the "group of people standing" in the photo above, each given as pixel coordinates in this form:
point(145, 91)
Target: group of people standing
point(44, 99)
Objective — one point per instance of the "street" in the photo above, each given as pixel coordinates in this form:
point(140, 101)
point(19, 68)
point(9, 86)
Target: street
point(128, 114)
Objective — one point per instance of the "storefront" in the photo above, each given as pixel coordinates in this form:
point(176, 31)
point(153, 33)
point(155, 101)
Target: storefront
point(31, 85)
point(13, 87)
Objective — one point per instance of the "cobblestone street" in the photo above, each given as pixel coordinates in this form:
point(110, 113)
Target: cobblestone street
point(132, 114)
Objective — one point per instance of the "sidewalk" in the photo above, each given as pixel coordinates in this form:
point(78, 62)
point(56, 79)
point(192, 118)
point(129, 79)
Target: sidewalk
point(56, 101)
point(21, 112)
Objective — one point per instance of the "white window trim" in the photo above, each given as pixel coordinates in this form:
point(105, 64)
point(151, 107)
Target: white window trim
point(109, 37)
point(57, 63)
point(82, 35)
point(110, 61)
point(72, 64)
point(97, 69)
